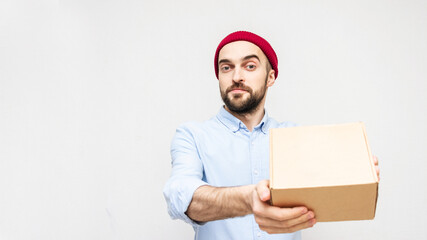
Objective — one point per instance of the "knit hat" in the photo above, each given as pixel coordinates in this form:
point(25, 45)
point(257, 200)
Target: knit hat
point(253, 38)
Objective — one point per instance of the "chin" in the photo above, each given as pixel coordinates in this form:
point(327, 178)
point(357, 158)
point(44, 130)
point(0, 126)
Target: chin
point(239, 96)
point(238, 103)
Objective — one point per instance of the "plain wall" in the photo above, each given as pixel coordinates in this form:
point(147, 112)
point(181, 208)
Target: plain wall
point(91, 93)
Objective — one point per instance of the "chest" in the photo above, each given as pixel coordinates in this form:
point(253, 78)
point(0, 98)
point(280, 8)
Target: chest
point(234, 159)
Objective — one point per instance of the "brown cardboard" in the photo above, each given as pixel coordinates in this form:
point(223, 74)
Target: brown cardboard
point(329, 169)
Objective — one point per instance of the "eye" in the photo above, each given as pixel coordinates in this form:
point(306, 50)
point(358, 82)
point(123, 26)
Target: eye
point(225, 68)
point(251, 66)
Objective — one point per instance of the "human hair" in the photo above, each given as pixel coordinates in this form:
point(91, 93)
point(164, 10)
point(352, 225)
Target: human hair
point(268, 67)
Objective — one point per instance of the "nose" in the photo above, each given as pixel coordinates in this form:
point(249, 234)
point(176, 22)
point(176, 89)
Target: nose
point(238, 75)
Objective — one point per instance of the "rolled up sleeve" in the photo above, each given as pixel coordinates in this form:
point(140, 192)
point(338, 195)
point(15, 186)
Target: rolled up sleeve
point(187, 174)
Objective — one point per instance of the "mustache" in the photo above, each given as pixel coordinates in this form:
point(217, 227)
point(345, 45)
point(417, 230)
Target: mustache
point(238, 86)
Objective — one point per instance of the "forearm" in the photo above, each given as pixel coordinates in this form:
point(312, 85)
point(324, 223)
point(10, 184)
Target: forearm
point(215, 203)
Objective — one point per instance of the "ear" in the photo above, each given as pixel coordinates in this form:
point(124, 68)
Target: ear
point(271, 78)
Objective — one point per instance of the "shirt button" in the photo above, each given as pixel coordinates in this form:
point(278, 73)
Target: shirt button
point(253, 143)
point(258, 234)
point(255, 172)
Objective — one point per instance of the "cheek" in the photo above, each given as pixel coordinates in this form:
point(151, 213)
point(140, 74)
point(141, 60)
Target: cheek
point(223, 85)
point(261, 81)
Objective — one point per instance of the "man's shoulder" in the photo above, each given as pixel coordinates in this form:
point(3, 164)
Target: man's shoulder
point(197, 126)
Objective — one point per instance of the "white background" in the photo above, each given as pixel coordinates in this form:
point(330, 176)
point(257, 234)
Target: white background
point(91, 93)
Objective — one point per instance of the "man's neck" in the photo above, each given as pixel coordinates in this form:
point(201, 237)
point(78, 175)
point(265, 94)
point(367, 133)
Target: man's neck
point(250, 119)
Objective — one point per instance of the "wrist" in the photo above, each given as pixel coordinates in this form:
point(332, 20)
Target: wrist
point(249, 197)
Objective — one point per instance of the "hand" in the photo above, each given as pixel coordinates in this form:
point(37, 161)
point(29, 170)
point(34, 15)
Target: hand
point(274, 219)
point(377, 169)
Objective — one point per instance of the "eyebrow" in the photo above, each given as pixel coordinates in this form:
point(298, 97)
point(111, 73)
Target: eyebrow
point(251, 56)
point(243, 59)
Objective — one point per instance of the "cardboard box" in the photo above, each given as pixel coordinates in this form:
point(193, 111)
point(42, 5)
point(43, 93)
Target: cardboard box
point(329, 169)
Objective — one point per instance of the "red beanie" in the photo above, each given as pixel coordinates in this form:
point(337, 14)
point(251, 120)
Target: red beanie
point(253, 38)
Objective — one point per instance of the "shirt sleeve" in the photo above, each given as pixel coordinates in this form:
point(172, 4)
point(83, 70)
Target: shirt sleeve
point(186, 177)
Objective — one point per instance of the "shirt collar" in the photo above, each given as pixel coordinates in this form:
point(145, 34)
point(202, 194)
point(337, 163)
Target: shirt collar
point(234, 124)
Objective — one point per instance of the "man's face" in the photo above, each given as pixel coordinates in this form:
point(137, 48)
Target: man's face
point(243, 76)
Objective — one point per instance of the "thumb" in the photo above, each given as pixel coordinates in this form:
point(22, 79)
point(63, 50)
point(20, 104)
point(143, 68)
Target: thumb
point(263, 190)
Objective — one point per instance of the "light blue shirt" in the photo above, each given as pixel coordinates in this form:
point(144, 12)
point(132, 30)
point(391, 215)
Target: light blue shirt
point(220, 152)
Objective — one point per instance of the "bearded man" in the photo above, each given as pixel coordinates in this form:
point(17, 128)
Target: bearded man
point(220, 166)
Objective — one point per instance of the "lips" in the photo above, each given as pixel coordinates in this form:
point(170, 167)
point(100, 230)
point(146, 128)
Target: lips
point(238, 89)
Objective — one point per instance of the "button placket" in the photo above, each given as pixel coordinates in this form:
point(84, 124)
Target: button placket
point(255, 161)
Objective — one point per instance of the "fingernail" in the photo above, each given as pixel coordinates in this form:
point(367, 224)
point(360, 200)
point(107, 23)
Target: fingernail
point(312, 222)
point(304, 210)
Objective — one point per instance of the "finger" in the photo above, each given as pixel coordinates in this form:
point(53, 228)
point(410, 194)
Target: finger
point(286, 213)
point(304, 225)
point(277, 213)
point(375, 160)
point(262, 221)
point(263, 190)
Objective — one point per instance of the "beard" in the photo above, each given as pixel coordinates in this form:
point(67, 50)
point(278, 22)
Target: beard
point(237, 103)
